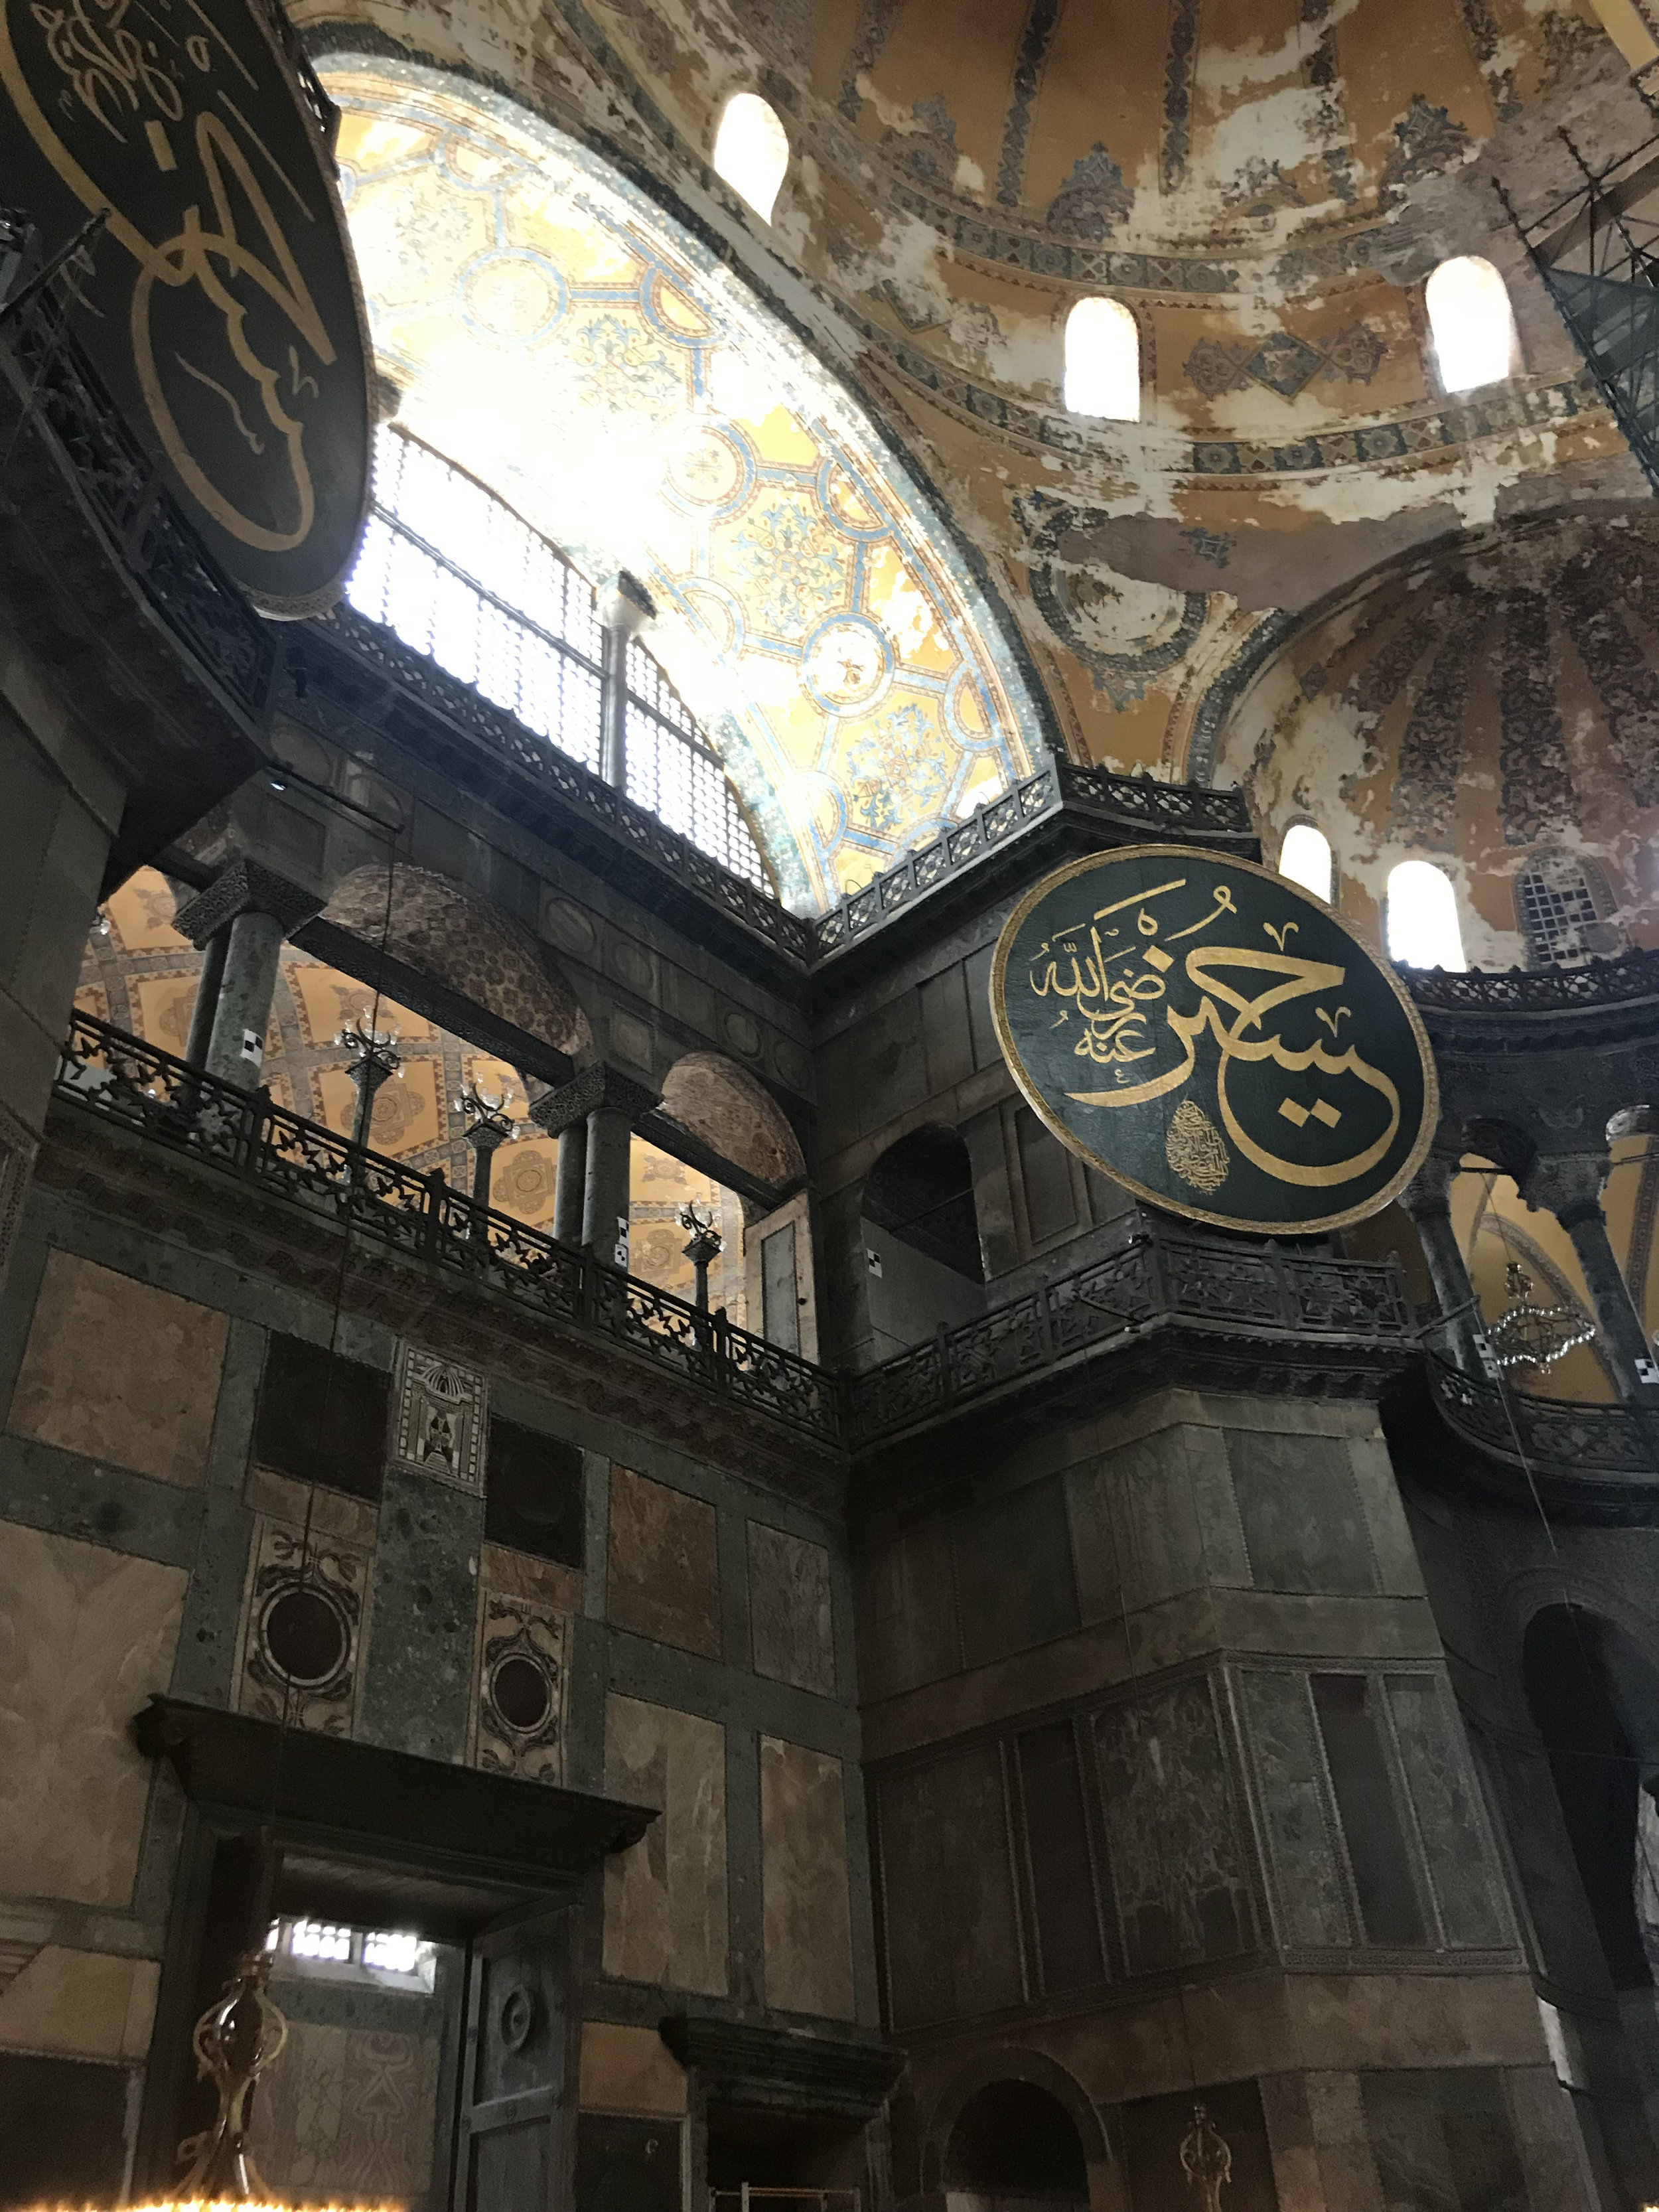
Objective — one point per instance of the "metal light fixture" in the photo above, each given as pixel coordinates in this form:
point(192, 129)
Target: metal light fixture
point(1532, 1336)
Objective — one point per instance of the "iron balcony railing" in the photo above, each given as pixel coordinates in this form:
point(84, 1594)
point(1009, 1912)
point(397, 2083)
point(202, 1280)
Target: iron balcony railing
point(122, 1080)
point(1255, 1291)
point(1156, 1277)
point(120, 490)
point(1552, 1434)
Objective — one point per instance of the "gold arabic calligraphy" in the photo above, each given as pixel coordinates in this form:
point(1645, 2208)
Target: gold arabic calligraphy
point(113, 75)
point(1114, 989)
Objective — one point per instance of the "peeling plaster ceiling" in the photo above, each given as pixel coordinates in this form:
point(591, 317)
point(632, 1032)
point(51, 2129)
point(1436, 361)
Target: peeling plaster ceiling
point(553, 333)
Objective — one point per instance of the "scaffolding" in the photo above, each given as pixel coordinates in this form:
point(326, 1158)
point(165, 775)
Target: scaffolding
point(1597, 250)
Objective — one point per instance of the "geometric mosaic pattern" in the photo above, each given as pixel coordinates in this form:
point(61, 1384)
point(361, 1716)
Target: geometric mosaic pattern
point(555, 335)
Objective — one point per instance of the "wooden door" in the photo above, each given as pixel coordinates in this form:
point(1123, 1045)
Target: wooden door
point(515, 2148)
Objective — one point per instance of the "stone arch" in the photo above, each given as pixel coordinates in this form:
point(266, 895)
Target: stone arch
point(735, 1115)
point(923, 1268)
point(460, 940)
point(991, 2069)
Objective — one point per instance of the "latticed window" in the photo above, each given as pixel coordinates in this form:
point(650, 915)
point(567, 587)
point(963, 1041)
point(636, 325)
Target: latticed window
point(674, 771)
point(462, 579)
point(1556, 910)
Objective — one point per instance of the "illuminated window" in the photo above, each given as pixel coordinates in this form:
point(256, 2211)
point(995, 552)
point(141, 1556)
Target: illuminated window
point(328, 1950)
point(752, 152)
point(1102, 361)
point(1422, 918)
point(1305, 858)
point(1474, 328)
point(461, 578)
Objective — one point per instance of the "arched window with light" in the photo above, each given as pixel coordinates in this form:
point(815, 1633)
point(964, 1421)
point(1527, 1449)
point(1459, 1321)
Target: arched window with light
point(1305, 858)
point(1472, 323)
point(1103, 361)
point(752, 152)
point(1421, 915)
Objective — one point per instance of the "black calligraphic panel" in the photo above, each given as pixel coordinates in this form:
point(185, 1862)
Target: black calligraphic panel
point(1214, 1037)
point(221, 307)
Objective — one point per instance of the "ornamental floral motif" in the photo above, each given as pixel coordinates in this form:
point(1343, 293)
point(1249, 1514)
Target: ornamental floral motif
point(895, 771)
point(1093, 200)
point(622, 370)
point(1286, 364)
point(796, 565)
point(1425, 142)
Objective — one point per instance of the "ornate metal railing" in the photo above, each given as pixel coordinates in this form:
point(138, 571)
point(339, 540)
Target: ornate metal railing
point(1554, 1434)
point(1156, 1277)
point(121, 491)
point(1133, 802)
point(1536, 990)
point(122, 1080)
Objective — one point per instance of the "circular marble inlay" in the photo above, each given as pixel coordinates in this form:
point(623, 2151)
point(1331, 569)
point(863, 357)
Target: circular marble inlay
point(520, 1693)
point(304, 1636)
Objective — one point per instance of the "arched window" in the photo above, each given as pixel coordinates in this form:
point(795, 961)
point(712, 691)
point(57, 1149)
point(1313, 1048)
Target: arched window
point(1423, 928)
point(1474, 328)
point(1305, 858)
point(1102, 361)
point(752, 152)
point(463, 579)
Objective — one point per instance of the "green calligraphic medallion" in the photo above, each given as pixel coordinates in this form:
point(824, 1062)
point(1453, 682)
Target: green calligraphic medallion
point(1213, 1038)
point(222, 309)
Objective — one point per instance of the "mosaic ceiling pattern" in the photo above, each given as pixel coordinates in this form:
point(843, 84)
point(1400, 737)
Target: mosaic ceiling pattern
point(549, 334)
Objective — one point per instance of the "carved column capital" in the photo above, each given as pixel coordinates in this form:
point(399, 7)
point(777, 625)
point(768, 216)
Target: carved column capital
point(1566, 1184)
point(1429, 1192)
point(595, 1088)
point(245, 887)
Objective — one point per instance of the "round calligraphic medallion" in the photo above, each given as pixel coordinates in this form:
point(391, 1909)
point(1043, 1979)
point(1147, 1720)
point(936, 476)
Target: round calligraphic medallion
point(221, 307)
point(1214, 1038)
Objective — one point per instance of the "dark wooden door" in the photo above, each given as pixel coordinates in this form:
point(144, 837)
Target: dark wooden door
point(515, 2138)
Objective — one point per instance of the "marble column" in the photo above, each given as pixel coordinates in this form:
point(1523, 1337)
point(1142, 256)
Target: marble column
point(252, 910)
point(1427, 1202)
point(624, 609)
point(569, 1183)
point(609, 1107)
point(1569, 1186)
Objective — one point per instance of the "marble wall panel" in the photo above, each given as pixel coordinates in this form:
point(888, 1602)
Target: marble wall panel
point(790, 1623)
point(947, 1888)
point(418, 1673)
point(1434, 1756)
point(305, 1610)
point(1160, 1545)
point(86, 1635)
point(63, 2126)
point(807, 1911)
point(1443, 2136)
point(628, 2069)
point(663, 1564)
point(522, 1686)
point(1174, 1829)
point(1282, 1747)
point(665, 1898)
point(1002, 1613)
point(907, 1613)
point(1304, 1527)
point(89, 2004)
point(1094, 1545)
point(119, 1371)
point(350, 2114)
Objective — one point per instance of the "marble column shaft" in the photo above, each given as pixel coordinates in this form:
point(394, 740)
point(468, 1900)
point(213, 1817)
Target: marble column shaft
point(1427, 1202)
point(569, 1183)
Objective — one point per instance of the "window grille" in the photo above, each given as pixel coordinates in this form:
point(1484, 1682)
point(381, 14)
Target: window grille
point(675, 773)
point(460, 578)
point(1556, 910)
point(384, 1956)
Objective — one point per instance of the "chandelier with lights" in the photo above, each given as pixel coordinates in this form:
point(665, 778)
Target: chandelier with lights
point(1530, 1336)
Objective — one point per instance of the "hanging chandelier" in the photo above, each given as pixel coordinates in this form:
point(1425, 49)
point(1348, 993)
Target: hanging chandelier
point(1530, 1336)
